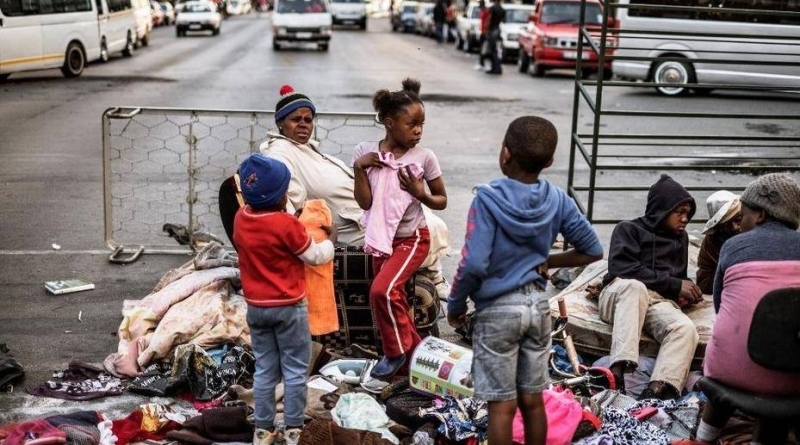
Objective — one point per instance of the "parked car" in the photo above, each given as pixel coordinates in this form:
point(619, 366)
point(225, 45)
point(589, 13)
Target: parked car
point(157, 13)
point(349, 12)
point(468, 28)
point(550, 40)
point(302, 21)
point(238, 7)
point(517, 17)
point(404, 17)
point(424, 23)
point(169, 13)
point(197, 16)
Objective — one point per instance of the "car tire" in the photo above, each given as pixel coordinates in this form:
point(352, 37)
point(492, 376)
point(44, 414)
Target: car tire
point(323, 47)
point(523, 62)
point(145, 39)
point(74, 60)
point(4, 77)
point(216, 32)
point(128, 51)
point(673, 72)
point(276, 46)
point(103, 50)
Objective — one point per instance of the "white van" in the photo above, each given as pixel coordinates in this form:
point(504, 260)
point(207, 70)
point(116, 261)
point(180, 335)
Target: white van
point(41, 35)
point(349, 12)
point(301, 21)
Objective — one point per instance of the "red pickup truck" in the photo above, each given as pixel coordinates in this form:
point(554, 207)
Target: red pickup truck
point(550, 40)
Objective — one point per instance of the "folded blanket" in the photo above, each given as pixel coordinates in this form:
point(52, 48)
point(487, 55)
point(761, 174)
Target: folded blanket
point(322, 315)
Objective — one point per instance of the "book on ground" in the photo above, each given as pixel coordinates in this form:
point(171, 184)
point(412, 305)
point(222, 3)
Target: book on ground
point(59, 287)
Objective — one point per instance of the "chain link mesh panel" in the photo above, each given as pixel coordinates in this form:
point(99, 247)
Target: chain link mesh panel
point(163, 168)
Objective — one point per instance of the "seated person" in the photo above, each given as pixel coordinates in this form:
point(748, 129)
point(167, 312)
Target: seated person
point(646, 286)
point(725, 215)
point(765, 257)
point(316, 175)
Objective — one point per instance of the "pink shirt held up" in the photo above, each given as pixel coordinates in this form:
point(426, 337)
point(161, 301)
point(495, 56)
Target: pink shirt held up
point(394, 213)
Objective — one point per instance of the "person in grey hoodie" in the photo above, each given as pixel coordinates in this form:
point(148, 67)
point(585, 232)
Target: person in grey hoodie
point(511, 226)
point(646, 287)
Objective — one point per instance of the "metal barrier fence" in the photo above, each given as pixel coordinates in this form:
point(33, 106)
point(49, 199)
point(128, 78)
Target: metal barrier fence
point(705, 147)
point(164, 166)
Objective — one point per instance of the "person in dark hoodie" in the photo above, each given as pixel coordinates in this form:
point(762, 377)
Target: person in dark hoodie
point(510, 227)
point(646, 287)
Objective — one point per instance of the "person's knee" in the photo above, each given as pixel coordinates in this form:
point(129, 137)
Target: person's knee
point(531, 401)
point(686, 331)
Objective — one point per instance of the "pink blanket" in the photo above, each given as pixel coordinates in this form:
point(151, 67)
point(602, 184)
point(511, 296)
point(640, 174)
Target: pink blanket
point(726, 358)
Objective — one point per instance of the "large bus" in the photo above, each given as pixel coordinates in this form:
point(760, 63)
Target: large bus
point(66, 34)
point(745, 40)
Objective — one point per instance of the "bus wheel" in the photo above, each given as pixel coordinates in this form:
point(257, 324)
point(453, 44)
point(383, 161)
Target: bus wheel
point(674, 73)
point(4, 77)
point(74, 60)
point(128, 51)
point(103, 51)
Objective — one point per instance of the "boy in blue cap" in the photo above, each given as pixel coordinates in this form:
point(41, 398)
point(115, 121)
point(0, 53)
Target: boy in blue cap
point(510, 227)
point(272, 247)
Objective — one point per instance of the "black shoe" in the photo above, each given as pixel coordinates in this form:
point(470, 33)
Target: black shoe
point(648, 394)
point(494, 72)
point(387, 367)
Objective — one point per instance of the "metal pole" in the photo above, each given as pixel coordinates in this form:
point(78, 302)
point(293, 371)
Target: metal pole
point(191, 170)
point(598, 103)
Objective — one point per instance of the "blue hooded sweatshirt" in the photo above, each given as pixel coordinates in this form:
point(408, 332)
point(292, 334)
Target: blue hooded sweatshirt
point(510, 229)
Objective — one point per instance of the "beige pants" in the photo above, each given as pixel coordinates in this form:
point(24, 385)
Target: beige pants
point(630, 307)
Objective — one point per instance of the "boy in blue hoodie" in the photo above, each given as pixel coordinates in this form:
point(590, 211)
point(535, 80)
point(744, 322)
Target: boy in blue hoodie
point(510, 227)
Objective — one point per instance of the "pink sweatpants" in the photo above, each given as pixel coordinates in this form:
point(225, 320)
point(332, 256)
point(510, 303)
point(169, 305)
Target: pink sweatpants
point(388, 295)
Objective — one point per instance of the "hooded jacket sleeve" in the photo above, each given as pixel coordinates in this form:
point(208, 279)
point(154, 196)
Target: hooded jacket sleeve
point(475, 255)
point(624, 261)
point(577, 230)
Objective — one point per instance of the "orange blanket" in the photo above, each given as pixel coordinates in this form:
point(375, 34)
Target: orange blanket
point(322, 315)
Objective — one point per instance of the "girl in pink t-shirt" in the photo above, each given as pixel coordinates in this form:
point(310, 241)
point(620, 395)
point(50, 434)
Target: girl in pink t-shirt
point(385, 197)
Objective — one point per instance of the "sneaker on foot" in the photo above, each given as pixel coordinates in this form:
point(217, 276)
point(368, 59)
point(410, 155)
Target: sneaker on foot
point(264, 437)
point(478, 67)
point(292, 436)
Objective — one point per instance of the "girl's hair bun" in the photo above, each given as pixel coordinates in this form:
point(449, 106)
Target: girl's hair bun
point(411, 85)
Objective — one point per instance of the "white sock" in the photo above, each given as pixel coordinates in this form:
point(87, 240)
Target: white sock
point(707, 433)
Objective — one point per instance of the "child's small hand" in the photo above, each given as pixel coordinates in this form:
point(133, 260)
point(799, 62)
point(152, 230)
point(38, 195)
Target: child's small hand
point(456, 320)
point(332, 231)
point(368, 160)
point(414, 186)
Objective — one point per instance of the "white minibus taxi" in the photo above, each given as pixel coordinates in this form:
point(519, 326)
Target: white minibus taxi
point(66, 34)
point(758, 47)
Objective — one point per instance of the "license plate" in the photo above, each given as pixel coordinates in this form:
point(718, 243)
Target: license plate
point(303, 35)
point(349, 22)
point(194, 26)
point(571, 55)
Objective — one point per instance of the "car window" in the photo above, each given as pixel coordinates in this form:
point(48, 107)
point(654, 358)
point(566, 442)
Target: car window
point(301, 6)
point(409, 8)
point(569, 12)
point(517, 15)
point(196, 7)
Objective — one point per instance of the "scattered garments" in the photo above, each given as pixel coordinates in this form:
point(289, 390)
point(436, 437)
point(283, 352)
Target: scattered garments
point(194, 369)
point(79, 382)
point(325, 432)
point(79, 428)
point(10, 369)
point(460, 419)
point(227, 424)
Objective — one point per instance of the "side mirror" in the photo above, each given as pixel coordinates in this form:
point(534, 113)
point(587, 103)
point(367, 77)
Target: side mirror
point(612, 23)
point(533, 19)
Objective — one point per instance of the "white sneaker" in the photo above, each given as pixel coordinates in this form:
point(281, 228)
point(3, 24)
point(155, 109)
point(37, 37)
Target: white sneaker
point(264, 437)
point(478, 67)
point(443, 289)
point(292, 436)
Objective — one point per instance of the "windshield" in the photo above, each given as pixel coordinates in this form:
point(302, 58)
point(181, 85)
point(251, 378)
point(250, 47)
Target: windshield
point(196, 7)
point(301, 6)
point(569, 12)
point(409, 8)
point(517, 15)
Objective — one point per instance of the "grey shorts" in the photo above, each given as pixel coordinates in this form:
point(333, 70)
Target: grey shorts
point(511, 345)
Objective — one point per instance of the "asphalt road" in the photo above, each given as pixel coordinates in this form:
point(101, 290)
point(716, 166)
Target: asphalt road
point(51, 171)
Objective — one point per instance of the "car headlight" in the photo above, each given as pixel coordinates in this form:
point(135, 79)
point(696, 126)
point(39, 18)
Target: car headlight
point(279, 31)
point(325, 30)
point(550, 41)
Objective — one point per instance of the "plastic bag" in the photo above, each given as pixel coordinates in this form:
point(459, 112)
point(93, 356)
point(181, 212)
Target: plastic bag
point(10, 369)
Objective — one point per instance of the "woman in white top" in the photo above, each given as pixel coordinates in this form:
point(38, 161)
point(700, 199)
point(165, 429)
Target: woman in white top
point(316, 175)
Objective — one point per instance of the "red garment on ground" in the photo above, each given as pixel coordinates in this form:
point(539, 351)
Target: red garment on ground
point(388, 298)
point(130, 430)
point(35, 432)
